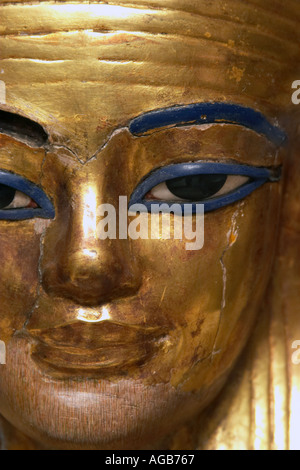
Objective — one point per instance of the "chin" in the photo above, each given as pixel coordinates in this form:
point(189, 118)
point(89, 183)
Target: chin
point(90, 413)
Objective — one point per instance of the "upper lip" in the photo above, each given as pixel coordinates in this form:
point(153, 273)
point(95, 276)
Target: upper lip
point(83, 336)
point(103, 346)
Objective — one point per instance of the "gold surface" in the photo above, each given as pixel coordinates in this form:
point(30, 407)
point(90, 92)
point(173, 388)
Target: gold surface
point(83, 71)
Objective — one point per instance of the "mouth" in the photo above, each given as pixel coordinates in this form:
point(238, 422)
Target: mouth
point(106, 348)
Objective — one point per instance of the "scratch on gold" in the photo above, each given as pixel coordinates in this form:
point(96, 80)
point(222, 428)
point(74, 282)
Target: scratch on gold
point(163, 296)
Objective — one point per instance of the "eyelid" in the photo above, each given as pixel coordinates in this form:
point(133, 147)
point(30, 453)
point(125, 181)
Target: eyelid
point(45, 210)
point(257, 176)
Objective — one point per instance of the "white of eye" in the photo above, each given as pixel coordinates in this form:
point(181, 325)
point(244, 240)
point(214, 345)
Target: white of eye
point(20, 200)
point(232, 182)
point(162, 192)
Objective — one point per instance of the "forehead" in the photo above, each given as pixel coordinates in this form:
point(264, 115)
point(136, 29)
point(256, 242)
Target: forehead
point(84, 70)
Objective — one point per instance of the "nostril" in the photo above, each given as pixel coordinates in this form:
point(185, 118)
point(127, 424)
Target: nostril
point(90, 276)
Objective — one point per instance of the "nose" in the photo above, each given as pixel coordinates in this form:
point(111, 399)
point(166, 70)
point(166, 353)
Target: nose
point(80, 266)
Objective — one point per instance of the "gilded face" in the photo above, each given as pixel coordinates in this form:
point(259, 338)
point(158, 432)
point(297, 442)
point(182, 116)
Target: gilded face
point(111, 343)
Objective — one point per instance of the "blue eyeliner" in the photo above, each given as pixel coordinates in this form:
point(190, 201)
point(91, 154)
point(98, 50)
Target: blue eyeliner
point(45, 210)
point(207, 113)
point(258, 176)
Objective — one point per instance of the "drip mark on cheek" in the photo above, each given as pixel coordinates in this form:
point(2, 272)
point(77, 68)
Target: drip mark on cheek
point(232, 236)
point(224, 273)
point(40, 225)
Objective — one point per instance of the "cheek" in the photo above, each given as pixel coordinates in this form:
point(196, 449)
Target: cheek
point(210, 297)
point(185, 289)
point(246, 264)
point(19, 254)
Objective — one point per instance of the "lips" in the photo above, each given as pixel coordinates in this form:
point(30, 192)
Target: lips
point(97, 347)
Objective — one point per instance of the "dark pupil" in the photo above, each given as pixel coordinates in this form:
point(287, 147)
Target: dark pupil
point(196, 187)
point(7, 195)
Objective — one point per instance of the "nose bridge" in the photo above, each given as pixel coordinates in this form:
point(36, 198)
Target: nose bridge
point(79, 265)
point(84, 240)
point(83, 250)
point(86, 253)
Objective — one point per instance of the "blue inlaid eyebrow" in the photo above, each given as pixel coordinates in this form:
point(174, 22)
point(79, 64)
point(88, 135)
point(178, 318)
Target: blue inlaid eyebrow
point(208, 113)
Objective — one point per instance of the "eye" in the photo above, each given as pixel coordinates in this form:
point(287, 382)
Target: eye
point(214, 185)
point(21, 199)
point(11, 198)
point(196, 187)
